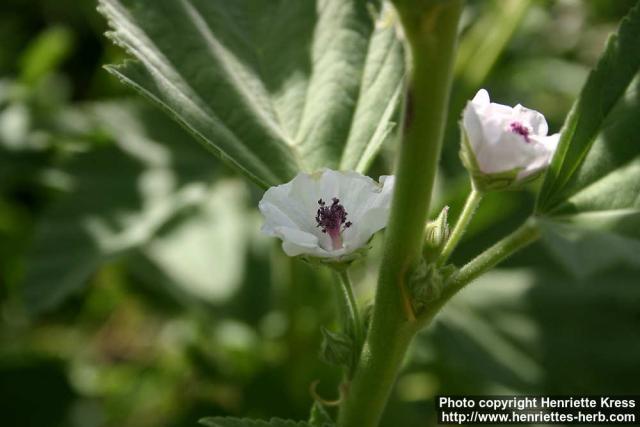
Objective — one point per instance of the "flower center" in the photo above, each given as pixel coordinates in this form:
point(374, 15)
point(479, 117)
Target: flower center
point(520, 129)
point(332, 220)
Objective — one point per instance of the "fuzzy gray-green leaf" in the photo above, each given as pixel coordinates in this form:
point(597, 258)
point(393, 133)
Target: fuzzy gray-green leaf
point(599, 223)
point(270, 86)
point(605, 85)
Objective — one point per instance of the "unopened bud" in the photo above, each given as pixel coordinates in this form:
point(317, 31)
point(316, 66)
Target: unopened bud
point(437, 232)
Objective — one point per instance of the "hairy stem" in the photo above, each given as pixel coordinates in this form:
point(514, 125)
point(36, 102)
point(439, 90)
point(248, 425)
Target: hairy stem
point(523, 236)
point(431, 32)
point(470, 206)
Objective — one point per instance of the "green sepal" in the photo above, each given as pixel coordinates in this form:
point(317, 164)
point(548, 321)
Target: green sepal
point(337, 263)
point(337, 349)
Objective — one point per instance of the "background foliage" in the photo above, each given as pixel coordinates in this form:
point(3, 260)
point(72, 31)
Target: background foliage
point(137, 291)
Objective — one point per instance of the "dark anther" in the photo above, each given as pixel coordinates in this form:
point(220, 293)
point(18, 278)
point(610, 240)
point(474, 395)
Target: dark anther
point(332, 218)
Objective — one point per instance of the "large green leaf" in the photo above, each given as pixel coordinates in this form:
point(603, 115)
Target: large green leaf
point(599, 223)
point(589, 206)
point(202, 254)
point(120, 196)
point(604, 87)
point(272, 86)
point(584, 251)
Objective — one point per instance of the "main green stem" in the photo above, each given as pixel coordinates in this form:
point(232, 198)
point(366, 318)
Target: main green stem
point(470, 206)
point(431, 31)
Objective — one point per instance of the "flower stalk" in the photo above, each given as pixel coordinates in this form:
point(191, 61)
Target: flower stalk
point(354, 319)
point(473, 201)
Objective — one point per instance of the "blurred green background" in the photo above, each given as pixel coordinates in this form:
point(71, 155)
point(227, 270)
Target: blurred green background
point(136, 289)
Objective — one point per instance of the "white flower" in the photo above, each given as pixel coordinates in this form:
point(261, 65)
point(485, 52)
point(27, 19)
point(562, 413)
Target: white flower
point(504, 139)
point(328, 214)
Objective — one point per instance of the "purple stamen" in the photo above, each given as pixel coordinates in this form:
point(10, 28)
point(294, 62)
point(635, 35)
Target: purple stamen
point(332, 220)
point(520, 129)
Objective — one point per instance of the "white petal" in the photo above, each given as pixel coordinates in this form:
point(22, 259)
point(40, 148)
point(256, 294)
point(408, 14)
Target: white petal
point(531, 119)
point(512, 152)
point(372, 214)
point(294, 208)
point(274, 217)
point(481, 98)
point(484, 120)
point(375, 220)
point(494, 119)
point(472, 124)
point(551, 142)
point(296, 242)
point(546, 147)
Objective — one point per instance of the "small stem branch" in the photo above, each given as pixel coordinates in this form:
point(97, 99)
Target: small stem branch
point(352, 308)
point(520, 238)
point(470, 206)
point(523, 236)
